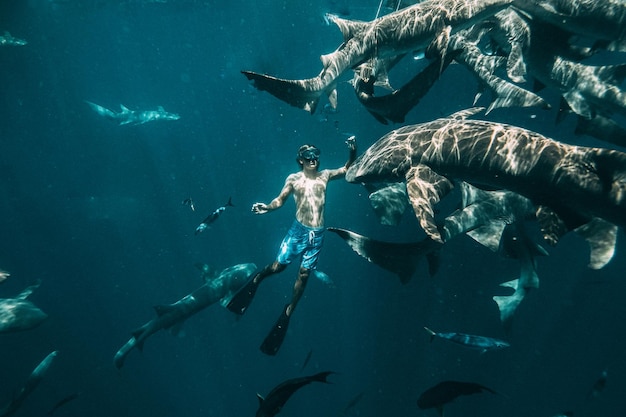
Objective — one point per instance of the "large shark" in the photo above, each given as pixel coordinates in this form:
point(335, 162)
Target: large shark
point(31, 383)
point(425, 25)
point(573, 184)
point(220, 288)
point(20, 314)
point(127, 116)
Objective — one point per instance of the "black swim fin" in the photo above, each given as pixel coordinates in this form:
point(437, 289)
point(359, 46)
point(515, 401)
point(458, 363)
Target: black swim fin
point(275, 338)
point(240, 302)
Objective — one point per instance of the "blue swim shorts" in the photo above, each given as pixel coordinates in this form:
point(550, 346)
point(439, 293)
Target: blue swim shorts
point(301, 240)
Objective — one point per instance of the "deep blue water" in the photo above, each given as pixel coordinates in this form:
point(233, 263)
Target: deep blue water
point(94, 210)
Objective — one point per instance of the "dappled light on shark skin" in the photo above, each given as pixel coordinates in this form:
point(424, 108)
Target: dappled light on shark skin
point(431, 155)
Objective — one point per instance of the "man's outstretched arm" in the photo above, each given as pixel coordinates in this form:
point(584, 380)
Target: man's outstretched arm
point(340, 172)
point(262, 208)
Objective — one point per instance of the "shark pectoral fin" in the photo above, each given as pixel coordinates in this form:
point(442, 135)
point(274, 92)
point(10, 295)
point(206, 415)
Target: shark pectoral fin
point(390, 203)
point(332, 98)
point(510, 95)
point(601, 237)
point(578, 103)
point(260, 398)
point(425, 189)
point(507, 304)
point(515, 65)
point(489, 235)
point(471, 194)
point(304, 94)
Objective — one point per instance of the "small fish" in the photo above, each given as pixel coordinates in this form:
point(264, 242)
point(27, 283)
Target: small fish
point(276, 399)
point(598, 386)
point(306, 360)
point(189, 202)
point(213, 216)
point(354, 401)
point(446, 391)
point(477, 342)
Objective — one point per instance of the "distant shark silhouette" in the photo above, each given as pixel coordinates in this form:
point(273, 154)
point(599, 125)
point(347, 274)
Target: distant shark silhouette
point(427, 25)
point(20, 314)
point(218, 288)
point(127, 116)
point(31, 383)
point(577, 183)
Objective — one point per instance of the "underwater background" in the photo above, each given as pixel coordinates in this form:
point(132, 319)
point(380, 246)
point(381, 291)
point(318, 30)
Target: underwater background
point(93, 210)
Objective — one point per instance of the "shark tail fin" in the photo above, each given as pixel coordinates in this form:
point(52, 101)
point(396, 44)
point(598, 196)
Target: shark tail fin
point(296, 93)
point(321, 377)
point(230, 202)
point(601, 237)
point(507, 304)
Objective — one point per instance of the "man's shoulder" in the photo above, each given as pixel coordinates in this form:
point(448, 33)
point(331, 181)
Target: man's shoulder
point(294, 176)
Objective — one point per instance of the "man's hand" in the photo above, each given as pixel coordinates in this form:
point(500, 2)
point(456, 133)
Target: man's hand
point(260, 208)
point(351, 142)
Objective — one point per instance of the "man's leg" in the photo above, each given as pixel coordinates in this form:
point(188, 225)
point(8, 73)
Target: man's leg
point(275, 338)
point(240, 302)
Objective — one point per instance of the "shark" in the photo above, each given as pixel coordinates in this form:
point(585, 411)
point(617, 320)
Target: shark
point(427, 25)
point(571, 185)
point(126, 116)
point(505, 94)
point(588, 90)
point(32, 382)
point(218, 288)
point(18, 313)
point(8, 40)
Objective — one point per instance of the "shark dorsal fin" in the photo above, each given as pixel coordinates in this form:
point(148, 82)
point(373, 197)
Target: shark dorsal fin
point(28, 290)
point(260, 398)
